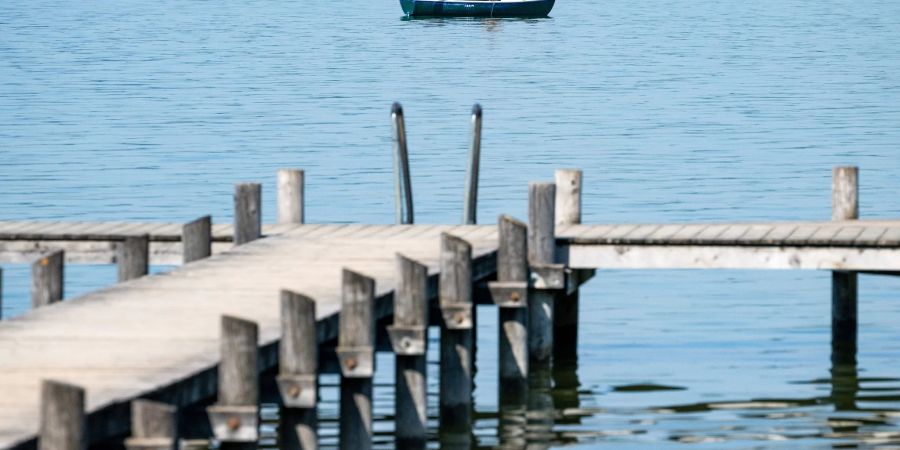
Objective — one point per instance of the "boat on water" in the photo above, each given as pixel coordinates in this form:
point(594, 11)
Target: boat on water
point(477, 8)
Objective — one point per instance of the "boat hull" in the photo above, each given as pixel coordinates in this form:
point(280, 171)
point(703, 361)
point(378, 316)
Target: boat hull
point(477, 8)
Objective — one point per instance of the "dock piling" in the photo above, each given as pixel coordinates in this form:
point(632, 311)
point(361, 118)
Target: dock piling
point(470, 200)
point(247, 212)
point(235, 417)
point(133, 257)
point(356, 355)
point(403, 199)
point(409, 340)
point(196, 239)
point(844, 206)
point(541, 252)
point(565, 314)
point(153, 426)
point(47, 279)
point(63, 424)
point(298, 361)
point(455, 300)
point(510, 293)
point(290, 196)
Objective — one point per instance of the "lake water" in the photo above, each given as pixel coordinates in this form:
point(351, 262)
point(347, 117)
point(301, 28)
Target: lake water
point(676, 110)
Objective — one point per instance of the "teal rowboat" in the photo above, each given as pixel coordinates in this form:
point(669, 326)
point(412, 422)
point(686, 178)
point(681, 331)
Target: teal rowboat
point(477, 8)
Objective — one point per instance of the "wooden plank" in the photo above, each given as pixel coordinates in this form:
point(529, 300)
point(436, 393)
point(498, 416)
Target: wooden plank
point(778, 234)
point(664, 233)
point(846, 235)
point(870, 236)
point(640, 233)
point(890, 238)
point(801, 235)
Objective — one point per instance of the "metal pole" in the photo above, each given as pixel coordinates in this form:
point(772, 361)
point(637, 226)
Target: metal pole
point(470, 202)
point(402, 185)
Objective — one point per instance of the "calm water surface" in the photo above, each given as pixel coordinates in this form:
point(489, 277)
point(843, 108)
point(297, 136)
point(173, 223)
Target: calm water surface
point(676, 110)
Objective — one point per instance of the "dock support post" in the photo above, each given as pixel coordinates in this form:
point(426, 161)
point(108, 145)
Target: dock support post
point(844, 206)
point(403, 199)
point(133, 257)
point(47, 279)
point(298, 369)
point(196, 239)
point(63, 425)
point(247, 212)
point(290, 196)
point(455, 300)
point(409, 339)
point(565, 315)
point(470, 201)
point(356, 355)
point(1, 293)
point(235, 417)
point(152, 426)
point(541, 251)
point(510, 293)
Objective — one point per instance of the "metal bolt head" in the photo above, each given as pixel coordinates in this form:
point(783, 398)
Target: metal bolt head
point(459, 318)
point(351, 363)
point(233, 423)
point(294, 391)
point(405, 342)
point(45, 261)
point(514, 297)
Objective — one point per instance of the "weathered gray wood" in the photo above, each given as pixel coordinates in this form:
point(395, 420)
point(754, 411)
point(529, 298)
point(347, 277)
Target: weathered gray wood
point(565, 313)
point(153, 426)
point(470, 200)
point(63, 424)
point(47, 279)
point(356, 333)
point(290, 196)
point(133, 257)
point(1, 293)
point(568, 196)
point(238, 380)
point(196, 239)
point(541, 250)
point(298, 360)
point(411, 313)
point(247, 212)
point(512, 265)
point(455, 294)
point(844, 291)
point(403, 200)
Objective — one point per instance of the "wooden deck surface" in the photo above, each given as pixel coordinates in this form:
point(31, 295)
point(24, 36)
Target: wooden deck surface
point(159, 334)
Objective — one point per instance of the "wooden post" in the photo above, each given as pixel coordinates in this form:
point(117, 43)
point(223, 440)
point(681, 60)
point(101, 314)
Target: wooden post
point(409, 340)
point(403, 199)
point(133, 257)
point(290, 196)
point(470, 201)
point(63, 424)
point(541, 251)
point(356, 348)
point(510, 293)
point(844, 206)
point(247, 212)
point(1, 293)
point(455, 299)
point(152, 426)
point(565, 315)
point(298, 361)
point(235, 418)
point(196, 239)
point(47, 279)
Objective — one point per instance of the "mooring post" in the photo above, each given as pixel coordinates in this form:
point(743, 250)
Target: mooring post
point(565, 315)
point(455, 300)
point(47, 279)
point(510, 293)
point(541, 259)
point(356, 355)
point(1, 293)
point(298, 361)
point(235, 417)
point(133, 257)
point(63, 425)
point(403, 200)
point(470, 201)
point(290, 196)
point(247, 212)
point(196, 239)
point(153, 426)
point(409, 338)
point(844, 206)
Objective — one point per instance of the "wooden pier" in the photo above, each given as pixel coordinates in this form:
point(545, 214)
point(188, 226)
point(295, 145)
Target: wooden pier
point(207, 329)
